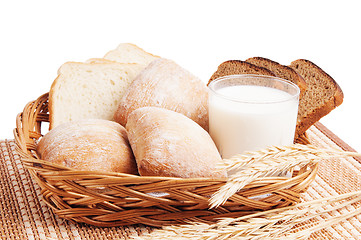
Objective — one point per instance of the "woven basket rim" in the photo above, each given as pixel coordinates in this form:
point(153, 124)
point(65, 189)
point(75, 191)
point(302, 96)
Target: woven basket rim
point(67, 190)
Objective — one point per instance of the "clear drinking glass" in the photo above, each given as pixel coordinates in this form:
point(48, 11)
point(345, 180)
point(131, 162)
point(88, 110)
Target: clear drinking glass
point(250, 112)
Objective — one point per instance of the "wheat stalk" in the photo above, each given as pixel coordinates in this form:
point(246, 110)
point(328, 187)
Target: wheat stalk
point(272, 224)
point(271, 161)
point(294, 150)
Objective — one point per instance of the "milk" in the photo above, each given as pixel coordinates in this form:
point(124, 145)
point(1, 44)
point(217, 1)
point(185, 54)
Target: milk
point(249, 117)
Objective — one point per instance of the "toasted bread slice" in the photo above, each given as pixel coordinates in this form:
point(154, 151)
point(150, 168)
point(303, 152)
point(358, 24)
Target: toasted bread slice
point(281, 71)
point(232, 67)
point(322, 95)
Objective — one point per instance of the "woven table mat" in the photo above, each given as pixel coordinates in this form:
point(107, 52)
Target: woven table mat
point(24, 215)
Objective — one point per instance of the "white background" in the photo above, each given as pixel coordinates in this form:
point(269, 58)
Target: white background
point(38, 36)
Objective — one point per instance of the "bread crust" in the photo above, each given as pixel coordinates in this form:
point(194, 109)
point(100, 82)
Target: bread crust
point(51, 103)
point(99, 60)
point(311, 116)
point(281, 71)
point(232, 67)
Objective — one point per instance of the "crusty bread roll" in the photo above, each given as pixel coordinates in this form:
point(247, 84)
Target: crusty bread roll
point(92, 144)
point(167, 143)
point(165, 84)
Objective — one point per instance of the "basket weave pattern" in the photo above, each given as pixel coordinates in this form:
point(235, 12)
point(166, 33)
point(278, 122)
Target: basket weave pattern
point(113, 199)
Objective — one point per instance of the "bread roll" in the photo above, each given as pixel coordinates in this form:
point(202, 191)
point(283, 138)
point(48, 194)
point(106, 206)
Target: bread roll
point(167, 143)
point(165, 84)
point(89, 145)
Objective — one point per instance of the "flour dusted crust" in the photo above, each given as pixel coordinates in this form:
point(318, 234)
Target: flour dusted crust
point(89, 145)
point(166, 143)
point(165, 84)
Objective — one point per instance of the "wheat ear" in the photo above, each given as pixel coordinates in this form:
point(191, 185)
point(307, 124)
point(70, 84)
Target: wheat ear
point(269, 162)
point(272, 224)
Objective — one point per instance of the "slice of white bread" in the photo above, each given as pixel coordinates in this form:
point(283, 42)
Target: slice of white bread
point(89, 90)
point(130, 53)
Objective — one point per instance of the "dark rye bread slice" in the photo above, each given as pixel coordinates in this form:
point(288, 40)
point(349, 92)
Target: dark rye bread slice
point(281, 71)
point(232, 67)
point(323, 94)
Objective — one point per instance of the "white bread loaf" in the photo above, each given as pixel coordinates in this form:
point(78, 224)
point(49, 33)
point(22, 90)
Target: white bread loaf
point(130, 53)
point(89, 145)
point(89, 90)
point(166, 143)
point(165, 84)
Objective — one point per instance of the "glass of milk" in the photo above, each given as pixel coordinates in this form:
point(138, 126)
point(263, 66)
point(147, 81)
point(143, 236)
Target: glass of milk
point(251, 112)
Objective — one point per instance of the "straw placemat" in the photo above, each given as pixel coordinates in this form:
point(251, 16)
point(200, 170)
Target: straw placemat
point(23, 214)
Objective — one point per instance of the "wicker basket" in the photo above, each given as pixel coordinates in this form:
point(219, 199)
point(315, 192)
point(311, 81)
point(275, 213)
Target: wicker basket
point(112, 199)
